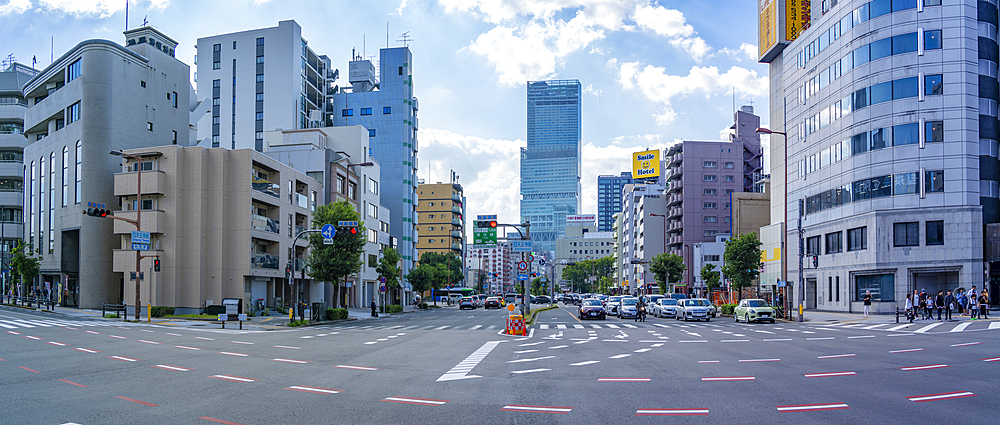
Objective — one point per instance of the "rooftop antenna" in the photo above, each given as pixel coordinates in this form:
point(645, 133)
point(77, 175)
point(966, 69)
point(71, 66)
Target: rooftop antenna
point(126, 15)
point(144, 21)
point(405, 38)
point(9, 60)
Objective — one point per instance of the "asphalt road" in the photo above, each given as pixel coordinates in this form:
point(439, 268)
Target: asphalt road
point(451, 366)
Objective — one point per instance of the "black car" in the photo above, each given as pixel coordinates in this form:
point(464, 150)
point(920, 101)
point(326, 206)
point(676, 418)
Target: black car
point(592, 309)
point(492, 302)
point(543, 299)
point(466, 302)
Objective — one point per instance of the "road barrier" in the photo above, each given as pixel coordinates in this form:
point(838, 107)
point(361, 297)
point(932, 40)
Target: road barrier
point(516, 325)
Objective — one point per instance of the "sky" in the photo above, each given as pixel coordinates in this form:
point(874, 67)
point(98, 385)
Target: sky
point(653, 72)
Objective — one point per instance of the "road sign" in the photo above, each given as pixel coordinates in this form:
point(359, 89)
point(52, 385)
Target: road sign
point(140, 247)
point(531, 257)
point(520, 246)
point(522, 266)
point(541, 261)
point(347, 223)
point(382, 288)
point(382, 280)
point(140, 237)
point(522, 277)
point(328, 232)
point(510, 307)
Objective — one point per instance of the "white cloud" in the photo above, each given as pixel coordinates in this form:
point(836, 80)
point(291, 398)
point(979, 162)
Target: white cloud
point(670, 23)
point(611, 159)
point(15, 6)
point(517, 57)
point(744, 52)
point(101, 8)
point(660, 87)
point(591, 90)
point(402, 5)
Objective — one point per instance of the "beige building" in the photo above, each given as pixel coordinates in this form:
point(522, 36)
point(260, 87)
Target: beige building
point(751, 211)
point(441, 212)
point(221, 222)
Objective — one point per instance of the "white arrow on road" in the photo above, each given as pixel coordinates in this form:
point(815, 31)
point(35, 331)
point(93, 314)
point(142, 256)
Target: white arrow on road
point(461, 370)
point(622, 335)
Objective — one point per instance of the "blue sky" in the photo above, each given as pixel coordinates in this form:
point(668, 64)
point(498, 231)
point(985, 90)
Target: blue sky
point(654, 72)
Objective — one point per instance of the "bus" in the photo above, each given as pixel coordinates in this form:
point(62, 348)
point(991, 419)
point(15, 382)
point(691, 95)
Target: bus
point(454, 294)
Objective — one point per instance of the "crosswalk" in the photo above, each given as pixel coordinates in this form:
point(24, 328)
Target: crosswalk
point(56, 323)
point(918, 327)
point(496, 327)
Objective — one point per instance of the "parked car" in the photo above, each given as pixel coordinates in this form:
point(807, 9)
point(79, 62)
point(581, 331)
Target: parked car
point(543, 299)
point(753, 310)
point(466, 302)
point(592, 309)
point(613, 303)
point(627, 308)
point(492, 302)
point(692, 309)
point(664, 307)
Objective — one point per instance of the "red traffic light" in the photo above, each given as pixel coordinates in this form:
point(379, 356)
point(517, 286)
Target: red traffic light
point(493, 223)
point(354, 230)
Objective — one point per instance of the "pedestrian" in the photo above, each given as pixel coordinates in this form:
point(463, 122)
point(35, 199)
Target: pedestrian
point(949, 305)
point(929, 307)
point(939, 303)
point(374, 313)
point(923, 304)
point(962, 301)
point(984, 302)
point(973, 307)
point(868, 302)
point(909, 307)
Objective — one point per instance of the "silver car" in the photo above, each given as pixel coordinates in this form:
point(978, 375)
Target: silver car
point(627, 308)
point(693, 309)
point(665, 307)
point(611, 305)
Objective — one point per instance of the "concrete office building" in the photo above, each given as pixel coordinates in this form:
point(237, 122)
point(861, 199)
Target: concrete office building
point(95, 98)
point(12, 143)
point(643, 234)
point(260, 80)
point(609, 198)
point(890, 110)
point(702, 177)
point(217, 219)
point(442, 219)
point(338, 157)
point(581, 241)
point(750, 212)
point(385, 104)
point(550, 164)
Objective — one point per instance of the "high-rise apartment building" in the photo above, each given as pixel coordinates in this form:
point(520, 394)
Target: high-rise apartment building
point(890, 159)
point(259, 80)
point(384, 104)
point(609, 198)
point(97, 97)
point(12, 143)
point(497, 263)
point(550, 164)
point(442, 219)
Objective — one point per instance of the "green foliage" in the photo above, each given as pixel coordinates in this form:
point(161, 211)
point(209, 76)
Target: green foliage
point(741, 262)
point(334, 262)
point(160, 311)
point(536, 287)
point(388, 268)
point(450, 262)
point(727, 309)
point(297, 323)
point(710, 276)
point(667, 268)
point(336, 314)
point(392, 308)
point(23, 264)
point(421, 277)
point(422, 306)
point(579, 273)
point(111, 315)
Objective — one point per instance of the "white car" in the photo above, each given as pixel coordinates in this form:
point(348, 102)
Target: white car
point(627, 308)
point(611, 305)
point(665, 307)
point(693, 309)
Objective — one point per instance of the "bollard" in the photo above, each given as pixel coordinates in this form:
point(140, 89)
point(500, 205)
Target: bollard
point(149, 313)
point(897, 314)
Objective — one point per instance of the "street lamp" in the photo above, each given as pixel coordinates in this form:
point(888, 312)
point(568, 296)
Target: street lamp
point(784, 233)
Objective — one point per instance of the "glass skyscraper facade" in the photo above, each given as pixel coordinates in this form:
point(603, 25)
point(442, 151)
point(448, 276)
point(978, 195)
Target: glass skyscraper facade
point(609, 199)
point(550, 164)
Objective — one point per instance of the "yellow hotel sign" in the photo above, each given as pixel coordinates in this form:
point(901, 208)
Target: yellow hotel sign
point(646, 164)
point(767, 11)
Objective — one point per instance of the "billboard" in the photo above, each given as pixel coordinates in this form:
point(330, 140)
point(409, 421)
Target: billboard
point(798, 15)
point(767, 35)
point(646, 164)
point(581, 218)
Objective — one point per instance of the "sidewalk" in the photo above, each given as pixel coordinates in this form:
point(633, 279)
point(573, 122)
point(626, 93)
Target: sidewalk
point(831, 316)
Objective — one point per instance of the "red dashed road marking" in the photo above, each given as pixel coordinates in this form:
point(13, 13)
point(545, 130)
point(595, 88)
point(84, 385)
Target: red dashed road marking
point(148, 342)
point(56, 343)
point(136, 401)
point(13, 333)
point(233, 354)
point(173, 368)
point(729, 378)
point(930, 366)
point(836, 356)
point(29, 369)
point(828, 374)
point(314, 390)
point(344, 366)
point(219, 421)
point(966, 344)
point(285, 346)
point(993, 359)
point(623, 379)
point(184, 347)
point(536, 409)
point(74, 383)
point(33, 337)
point(906, 351)
point(418, 401)
point(92, 332)
point(759, 360)
point(119, 337)
point(942, 396)
point(232, 378)
point(671, 412)
point(812, 407)
point(124, 359)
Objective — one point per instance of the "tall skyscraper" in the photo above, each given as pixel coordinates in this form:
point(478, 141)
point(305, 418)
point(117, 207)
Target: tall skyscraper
point(550, 164)
point(609, 199)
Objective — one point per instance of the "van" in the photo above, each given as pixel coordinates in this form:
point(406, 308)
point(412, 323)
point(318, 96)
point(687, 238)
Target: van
point(510, 298)
point(678, 296)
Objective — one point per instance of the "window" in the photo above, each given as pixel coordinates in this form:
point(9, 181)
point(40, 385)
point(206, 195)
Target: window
point(932, 2)
point(216, 83)
point(371, 132)
point(857, 239)
point(386, 110)
point(372, 186)
point(934, 181)
point(260, 41)
point(711, 258)
point(935, 233)
point(730, 165)
point(142, 84)
point(729, 178)
point(934, 131)
point(149, 126)
point(352, 190)
point(216, 65)
point(710, 177)
point(833, 243)
point(73, 71)
point(373, 211)
point(259, 116)
point(260, 79)
point(711, 192)
point(709, 164)
point(372, 238)
point(710, 233)
point(173, 140)
point(904, 183)
point(813, 245)
point(372, 258)
point(400, 70)
point(933, 84)
point(347, 113)
point(905, 134)
point(729, 192)
point(366, 111)
point(216, 47)
point(710, 205)
point(65, 175)
point(260, 97)
point(73, 113)
point(880, 286)
point(710, 219)
point(906, 234)
point(932, 39)
point(79, 170)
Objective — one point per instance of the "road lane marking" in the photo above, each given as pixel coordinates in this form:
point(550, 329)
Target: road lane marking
point(136, 401)
point(812, 407)
point(729, 378)
point(995, 325)
point(693, 340)
point(232, 378)
point(290, 361)
point(624, 379)
point(87, 350)
point(536, 409)
point(173, 368)
point(203, 338)
point(171, 334)
point(927, 328)
point(531, 360)
point(145, 330)
point(558, 347)
point(525, 351)
point(620, 356)
point(148, 342)
point(925, 367)
point(560, 326)
point(778, 339)
point(612, 326)
point(241, 342)
point(461, 370)
point(942, 396)
point(529, 344)
point(993, 359)
point(733, 340)
point(234, 354)
point(828, 374)
point(961, 327)
point(530, 371)
point(671, 412)
point(819, 339)
point(73, 383)
point(834, 356)
point(906, 351)
point(124, 359)
point(29, 369)
point(56, 343)
point(414, 400)
point(475, 327)
point(544, 327)
point(707, 361)
point(759, 360)
point(13, 333)
point(184, 347)
point(861, 336)
point(642, 350)
point(344, 366)
point(33, 337)
point(118, 337)
point(314, 390)
point(598, 361)
point(220, 421)
point(658, 344)
point(966, 344)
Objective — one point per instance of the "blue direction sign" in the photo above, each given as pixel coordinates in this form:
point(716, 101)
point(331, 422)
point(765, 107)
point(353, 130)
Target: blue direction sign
point(520, 246)
point(140, 237)
point(328, 232)
point(140, 247)
point(522, 277)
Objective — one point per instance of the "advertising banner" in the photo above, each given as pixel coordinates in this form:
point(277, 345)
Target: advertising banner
point(646, 164)
point(767, 36)
point(798, 15)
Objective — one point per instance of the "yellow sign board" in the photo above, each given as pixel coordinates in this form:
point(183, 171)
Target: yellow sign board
point(646, 164)
point(767, 36)
point(798, 15)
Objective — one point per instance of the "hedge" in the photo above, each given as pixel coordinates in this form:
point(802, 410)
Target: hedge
point(160, 311)
point(336, 313)
point(727, 309)
point(394, 308)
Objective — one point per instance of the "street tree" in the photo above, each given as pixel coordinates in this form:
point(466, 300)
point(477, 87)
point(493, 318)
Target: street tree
point(710, 276)
point(741, 262)
point(331, 263)
point(536, 287)
point(667, 268)
point(24, 264)
point(449, 261)
point(389, 269)
point(421, 277)
point(442, 275)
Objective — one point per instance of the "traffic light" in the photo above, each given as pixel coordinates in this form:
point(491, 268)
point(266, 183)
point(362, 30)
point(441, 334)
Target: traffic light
point(486, 224)
point(156, 264)
point(347, 226)
point(96, 210)
point(815, 261)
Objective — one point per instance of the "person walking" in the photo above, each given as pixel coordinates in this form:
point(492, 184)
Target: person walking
point(973, 306)
point(949, 305)
point(374, 306)
point(962, 301)
point(939, 303)
point(929, 307)
point(909, 307)
point(984, 302)
point(868, 302)
point(922, 305)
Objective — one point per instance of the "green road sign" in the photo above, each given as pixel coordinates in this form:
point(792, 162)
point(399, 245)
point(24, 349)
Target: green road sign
point(484, 230)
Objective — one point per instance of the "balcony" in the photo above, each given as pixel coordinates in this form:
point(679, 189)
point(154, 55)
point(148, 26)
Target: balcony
point(301, 200)
point(675, 226)
point(264, 261)
point(265, 224)
point(676, 159)
point(674, 199)
point(676, 186)
point(675, 240)
point(456, 198)
point(153, 221)
point(457, 222)
point(265, 187)
point(300, 229)
point(457, 210)
point(456, 246)
point(153, 182)
point(674, 213)
point(456, 234)
point(676, 173)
